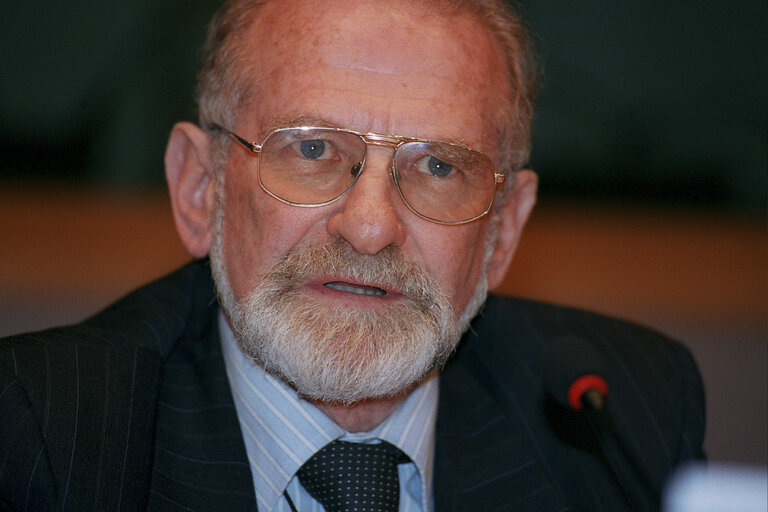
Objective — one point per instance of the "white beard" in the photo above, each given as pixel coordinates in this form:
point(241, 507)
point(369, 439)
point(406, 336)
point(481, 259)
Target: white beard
point(352, 353)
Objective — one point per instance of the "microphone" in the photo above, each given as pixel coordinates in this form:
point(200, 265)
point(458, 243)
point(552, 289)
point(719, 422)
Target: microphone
point(573, 375)
point(572, 372)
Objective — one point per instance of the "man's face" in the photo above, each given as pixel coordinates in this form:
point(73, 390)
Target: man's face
point(370, 69)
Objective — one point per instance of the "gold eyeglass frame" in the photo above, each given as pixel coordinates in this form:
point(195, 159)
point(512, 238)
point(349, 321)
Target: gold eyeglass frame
point(370, 139)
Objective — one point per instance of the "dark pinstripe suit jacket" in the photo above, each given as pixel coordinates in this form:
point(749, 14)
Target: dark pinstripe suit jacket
point(131, 410)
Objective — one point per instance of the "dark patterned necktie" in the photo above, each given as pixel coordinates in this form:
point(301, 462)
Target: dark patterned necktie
point(354, 477)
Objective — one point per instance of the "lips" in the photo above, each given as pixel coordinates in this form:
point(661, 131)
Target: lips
point(355, 288)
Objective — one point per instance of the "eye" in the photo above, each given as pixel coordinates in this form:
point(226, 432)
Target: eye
point(434, 166)
point(314, 149)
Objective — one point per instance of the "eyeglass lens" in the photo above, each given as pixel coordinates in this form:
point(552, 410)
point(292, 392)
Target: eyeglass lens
point(440, 181)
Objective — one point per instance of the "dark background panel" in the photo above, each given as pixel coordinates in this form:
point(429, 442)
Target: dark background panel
point(650, 102)
point(655, 101)
point(90, 90)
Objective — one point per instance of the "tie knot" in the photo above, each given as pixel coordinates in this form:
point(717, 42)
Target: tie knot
point(359, 477)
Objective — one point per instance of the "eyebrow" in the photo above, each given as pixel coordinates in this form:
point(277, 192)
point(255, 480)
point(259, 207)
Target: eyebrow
point(293, 121)
point(296, 120)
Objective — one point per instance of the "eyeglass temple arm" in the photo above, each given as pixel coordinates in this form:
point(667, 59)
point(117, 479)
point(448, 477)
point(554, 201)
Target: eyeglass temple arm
point(498, 177)
point(250, 146)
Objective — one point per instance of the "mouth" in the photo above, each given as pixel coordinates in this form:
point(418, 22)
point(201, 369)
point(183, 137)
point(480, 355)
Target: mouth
point(355, 288)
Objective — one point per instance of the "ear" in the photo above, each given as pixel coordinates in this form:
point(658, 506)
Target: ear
point(513, 214)
point(191, 184)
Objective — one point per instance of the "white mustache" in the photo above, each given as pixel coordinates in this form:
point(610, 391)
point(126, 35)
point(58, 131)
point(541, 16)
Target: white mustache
point(389, 269)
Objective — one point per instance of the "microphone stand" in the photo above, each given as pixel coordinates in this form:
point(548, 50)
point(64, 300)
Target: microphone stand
point(598, 415)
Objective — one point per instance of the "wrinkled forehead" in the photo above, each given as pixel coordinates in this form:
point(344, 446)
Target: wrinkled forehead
point(395, 33)
point(391, 48)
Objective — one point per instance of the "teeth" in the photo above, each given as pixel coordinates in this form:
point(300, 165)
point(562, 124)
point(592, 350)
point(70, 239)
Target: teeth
point(343, 287)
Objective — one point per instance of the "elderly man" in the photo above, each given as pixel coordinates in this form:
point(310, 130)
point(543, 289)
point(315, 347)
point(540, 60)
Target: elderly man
point(357, 183)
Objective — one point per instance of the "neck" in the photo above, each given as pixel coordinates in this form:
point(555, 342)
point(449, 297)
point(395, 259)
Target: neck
point(361, 416)
point(366, 415)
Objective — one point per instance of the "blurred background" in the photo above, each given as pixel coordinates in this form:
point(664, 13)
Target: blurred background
point(651, 142)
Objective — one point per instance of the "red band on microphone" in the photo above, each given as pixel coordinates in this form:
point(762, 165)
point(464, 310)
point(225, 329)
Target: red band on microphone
point(582, 385)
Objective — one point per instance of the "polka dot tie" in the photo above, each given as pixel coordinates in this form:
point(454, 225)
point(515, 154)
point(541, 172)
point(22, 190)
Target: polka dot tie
point(354, 477)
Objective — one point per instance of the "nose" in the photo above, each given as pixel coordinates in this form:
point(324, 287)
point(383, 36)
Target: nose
point(368, 215)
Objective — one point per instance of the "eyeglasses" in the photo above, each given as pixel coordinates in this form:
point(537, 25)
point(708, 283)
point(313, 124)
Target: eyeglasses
point(313, 166)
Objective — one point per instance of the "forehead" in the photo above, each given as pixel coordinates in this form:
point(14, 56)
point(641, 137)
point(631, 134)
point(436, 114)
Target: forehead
point(375, 66)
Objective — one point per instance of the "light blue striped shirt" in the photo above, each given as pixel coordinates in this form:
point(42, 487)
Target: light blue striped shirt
point(282, 431)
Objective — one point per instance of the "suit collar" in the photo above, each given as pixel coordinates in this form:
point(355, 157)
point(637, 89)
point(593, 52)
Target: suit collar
point(487, 455)
point(197, 453)
point(200, 459)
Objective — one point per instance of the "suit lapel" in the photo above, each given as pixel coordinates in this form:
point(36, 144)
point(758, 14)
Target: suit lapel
point(486, 457)
point(200, 459)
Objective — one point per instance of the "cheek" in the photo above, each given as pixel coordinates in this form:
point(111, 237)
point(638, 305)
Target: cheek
point(456, 260)
point(257, 231)
point(239, 235)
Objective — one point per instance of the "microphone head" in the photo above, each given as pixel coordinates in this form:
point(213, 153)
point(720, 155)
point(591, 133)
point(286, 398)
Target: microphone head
point(571, 368)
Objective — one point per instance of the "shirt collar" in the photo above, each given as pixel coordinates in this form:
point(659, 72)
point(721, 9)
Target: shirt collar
point(282, 431)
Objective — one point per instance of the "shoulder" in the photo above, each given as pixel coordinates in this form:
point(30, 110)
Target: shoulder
point(143, 327)
point(149, 318)
point(127, 341)
point(508, 326)
point(654, 384)
point(655, 391)
point(80, 396)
